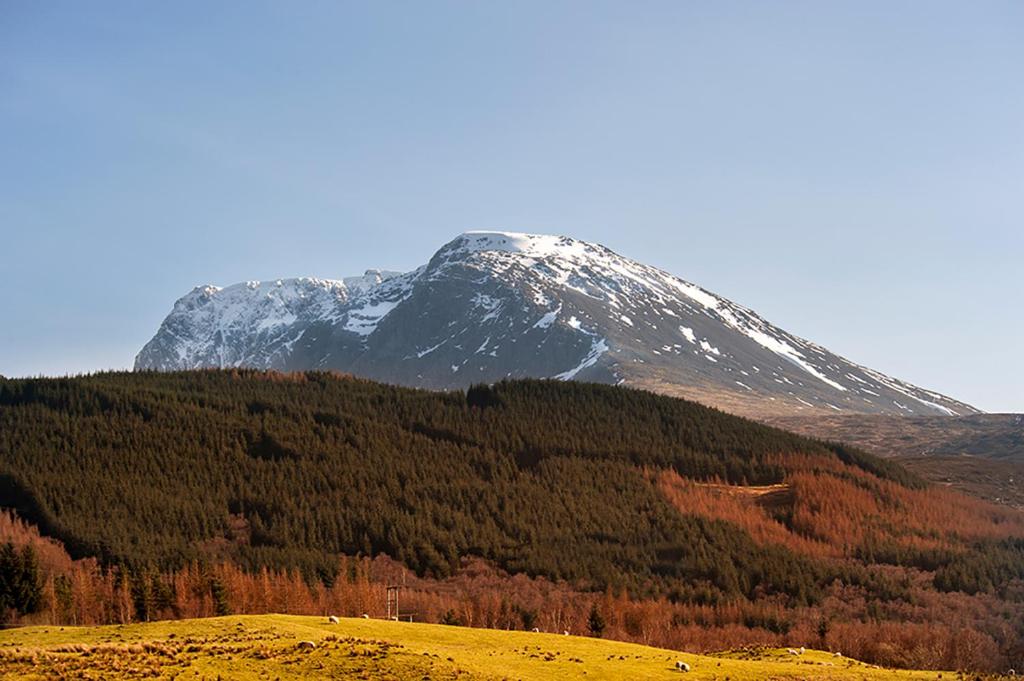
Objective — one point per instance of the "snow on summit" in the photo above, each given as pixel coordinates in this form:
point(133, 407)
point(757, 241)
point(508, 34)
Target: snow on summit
point(494, 304)
point(539, 245)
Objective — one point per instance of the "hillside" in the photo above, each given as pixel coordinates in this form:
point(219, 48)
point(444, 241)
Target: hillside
point(488, 306)
point(991, 436)
point(539, 477)
point(248, 647)
point(701, 521)
point(981, 454)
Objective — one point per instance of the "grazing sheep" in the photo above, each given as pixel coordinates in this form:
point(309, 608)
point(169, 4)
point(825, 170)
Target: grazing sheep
point(837, 654)
point(565, 633)
point(333, 620)
point(802, 650)
point(791, 651)
point(1011, 672)
point(365, 616)
point(535, 630)
point(306, 645)
point(682, 666)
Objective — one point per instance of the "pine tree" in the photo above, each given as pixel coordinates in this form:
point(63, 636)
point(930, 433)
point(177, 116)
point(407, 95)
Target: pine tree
point(595, 622)
point(21, 588)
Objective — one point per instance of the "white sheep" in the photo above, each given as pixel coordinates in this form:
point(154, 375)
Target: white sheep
point(837, 654)
point(333, 619)
point(682, 666)
point(535, 630)
point(565, 633)
point(365, 616)
point(792, 651)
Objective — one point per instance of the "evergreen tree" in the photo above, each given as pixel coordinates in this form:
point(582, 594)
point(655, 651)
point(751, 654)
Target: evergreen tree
point(219, 594)
point(21, 590)
point(595, 622)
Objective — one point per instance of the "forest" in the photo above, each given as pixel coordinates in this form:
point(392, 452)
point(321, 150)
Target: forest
point(133, 484)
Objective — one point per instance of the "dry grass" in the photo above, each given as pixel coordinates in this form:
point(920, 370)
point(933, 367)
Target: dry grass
point(268, 647)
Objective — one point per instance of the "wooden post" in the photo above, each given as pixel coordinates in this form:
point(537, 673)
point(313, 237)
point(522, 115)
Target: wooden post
point(392, 598)
point(392, 601)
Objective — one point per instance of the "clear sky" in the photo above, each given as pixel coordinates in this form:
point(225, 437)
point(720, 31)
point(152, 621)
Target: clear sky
point(852, 171)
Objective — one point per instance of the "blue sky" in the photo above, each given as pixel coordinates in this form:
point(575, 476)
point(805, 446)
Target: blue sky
point(853, 171)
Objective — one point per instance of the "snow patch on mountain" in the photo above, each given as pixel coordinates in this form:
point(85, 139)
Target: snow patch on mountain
point(548, 319)
point(364, 319)
point(599, 347)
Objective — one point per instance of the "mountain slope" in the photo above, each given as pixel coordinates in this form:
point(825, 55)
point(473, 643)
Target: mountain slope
point(494, 305)
point(997, 437)
point(981, 454)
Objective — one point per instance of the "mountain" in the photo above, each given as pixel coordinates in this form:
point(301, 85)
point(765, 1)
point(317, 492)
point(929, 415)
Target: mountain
point(495, 305)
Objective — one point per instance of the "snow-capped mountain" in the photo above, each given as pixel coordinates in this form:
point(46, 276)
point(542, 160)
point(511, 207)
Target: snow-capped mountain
point(491, 305)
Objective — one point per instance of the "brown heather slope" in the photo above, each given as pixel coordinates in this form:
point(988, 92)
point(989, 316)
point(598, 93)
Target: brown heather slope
point(991, 436)
point(981, 454)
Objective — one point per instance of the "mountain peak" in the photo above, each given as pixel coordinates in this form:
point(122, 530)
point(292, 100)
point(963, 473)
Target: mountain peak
point(541, 245)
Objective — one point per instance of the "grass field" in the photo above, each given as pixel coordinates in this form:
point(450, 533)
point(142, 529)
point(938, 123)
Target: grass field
point(268, 647)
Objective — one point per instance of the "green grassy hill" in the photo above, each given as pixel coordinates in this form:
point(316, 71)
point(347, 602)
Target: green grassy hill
point(267, 646)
